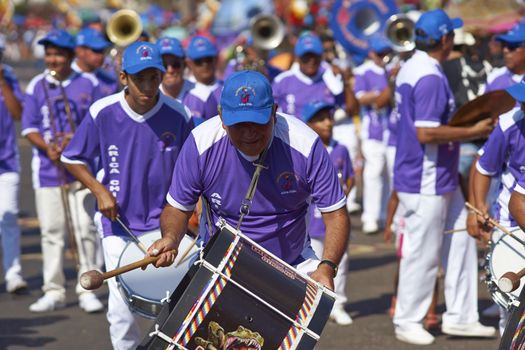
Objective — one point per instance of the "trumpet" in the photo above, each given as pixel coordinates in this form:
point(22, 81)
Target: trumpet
point(399, 30)
point(124, 27)
point(267, 32)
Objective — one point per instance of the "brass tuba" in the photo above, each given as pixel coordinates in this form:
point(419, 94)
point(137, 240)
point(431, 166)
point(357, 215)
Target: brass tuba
point(267, 32)
point(399, 30)
point(124, 27)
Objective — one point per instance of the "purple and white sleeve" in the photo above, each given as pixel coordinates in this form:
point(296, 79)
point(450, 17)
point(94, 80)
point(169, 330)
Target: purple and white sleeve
point(430, 101)
point(492, 158)
point(84, 147)
point(325, 188)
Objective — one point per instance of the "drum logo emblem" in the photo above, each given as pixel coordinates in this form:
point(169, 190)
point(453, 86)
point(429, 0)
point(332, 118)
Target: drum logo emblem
point(287, 182)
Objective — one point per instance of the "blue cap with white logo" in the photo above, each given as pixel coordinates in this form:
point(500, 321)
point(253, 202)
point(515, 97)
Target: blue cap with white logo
point(92, 38)
point(246, 97)
point(59, 38)
point(141, 55)
point(435, 24)
point(517, 91)
point(308, 43)
point(515, 35)
point(200, 47)
point(170, 46)
point(312, 108)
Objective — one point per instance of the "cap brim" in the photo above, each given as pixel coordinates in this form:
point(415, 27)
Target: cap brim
point(55, 43)
point(304, 52)
point(517, 91)
point(140, 67)
point(202, 55)
point(510, 38)
point(257, 116)
point(457, 23)
point(319, 108)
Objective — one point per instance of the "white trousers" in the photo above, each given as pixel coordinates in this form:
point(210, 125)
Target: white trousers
point(375, 181)
point(340, 278)
point(53, 227)
point(427, 217)
point(345, 133)
point(124, 329)
point(9, 229)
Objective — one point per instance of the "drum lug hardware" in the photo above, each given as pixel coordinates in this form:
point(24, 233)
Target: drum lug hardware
point(163, 336)
point(516, 303)
point(167, 298)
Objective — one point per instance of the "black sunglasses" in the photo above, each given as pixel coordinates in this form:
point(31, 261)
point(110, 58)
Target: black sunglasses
point(202, 61)
point(513, 46)
point(175, 64)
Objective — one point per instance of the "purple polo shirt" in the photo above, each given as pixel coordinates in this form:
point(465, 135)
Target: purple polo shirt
point(292, 90)
point(501, 78)
point(137, 155)
point(343, 165)
point(299, 171)
point(81, 90)
point(202, 103)
point(369, 77)
point(107, 84)
point(503, 156)
point(424, 99)
point(8, 149)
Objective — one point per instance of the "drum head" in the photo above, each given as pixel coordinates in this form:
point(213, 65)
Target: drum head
point(153, 284)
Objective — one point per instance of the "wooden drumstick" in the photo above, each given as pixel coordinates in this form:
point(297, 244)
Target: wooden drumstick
point(510, 281)
point(455, 230)
point(93, 279)
point(187, 251)
point(492, 222)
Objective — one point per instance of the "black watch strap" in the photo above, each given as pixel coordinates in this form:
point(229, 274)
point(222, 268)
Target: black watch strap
point(331, 264)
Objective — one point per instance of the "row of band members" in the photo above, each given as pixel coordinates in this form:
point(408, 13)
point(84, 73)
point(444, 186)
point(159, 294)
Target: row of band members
point(57, 100)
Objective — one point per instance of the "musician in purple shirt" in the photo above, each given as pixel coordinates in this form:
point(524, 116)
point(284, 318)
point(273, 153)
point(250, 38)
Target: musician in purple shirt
point(203, 98)
point(10, 110)
point(426, 180)
point(137, 134)
point(319, 116)
point(56, 101)
point(217, 163)
point(173, 82)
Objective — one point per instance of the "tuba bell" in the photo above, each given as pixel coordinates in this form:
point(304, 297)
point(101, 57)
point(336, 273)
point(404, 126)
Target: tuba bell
point(399, 30)
point(267, 32)
point(124, 27)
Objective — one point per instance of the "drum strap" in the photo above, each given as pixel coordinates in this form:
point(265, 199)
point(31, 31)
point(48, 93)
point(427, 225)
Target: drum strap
point(206, 207)
point(247, 201)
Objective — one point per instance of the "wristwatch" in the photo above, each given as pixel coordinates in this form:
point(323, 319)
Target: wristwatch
point(331, 264)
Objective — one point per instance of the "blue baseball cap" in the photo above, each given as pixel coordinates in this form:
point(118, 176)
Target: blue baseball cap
point(308, 43)
point(200, 47)
point(170, 46)
point(517, 91)
point(92, 39)
point(312, 108)
point(435, 24)
point(141, 55)
point(246, 97)
point(379, 44)
point(515, 35)
point(59, 38)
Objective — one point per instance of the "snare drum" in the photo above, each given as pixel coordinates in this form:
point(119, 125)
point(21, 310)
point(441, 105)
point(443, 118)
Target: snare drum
point(239, 295)
point(505, 254)
point(144, 290)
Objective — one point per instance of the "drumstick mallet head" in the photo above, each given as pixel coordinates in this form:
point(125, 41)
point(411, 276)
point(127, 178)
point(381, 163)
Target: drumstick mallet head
point(509, 282)
point(91, 280)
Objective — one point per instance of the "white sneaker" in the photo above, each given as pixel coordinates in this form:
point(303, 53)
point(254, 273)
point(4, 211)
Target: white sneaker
point(352, 207)
point(89, 303)
point(370, 227)
point(416, 335)
point(15, 284)
point(475, 329)
point(340, 316)
point(491, 312)
point(47, 303)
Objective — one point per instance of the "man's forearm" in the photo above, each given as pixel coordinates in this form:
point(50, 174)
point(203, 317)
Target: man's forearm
point(480, 188)
point(444, 134)
point(82, 174)
point(517, 208)
point(337, 233)
point(174, 223)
